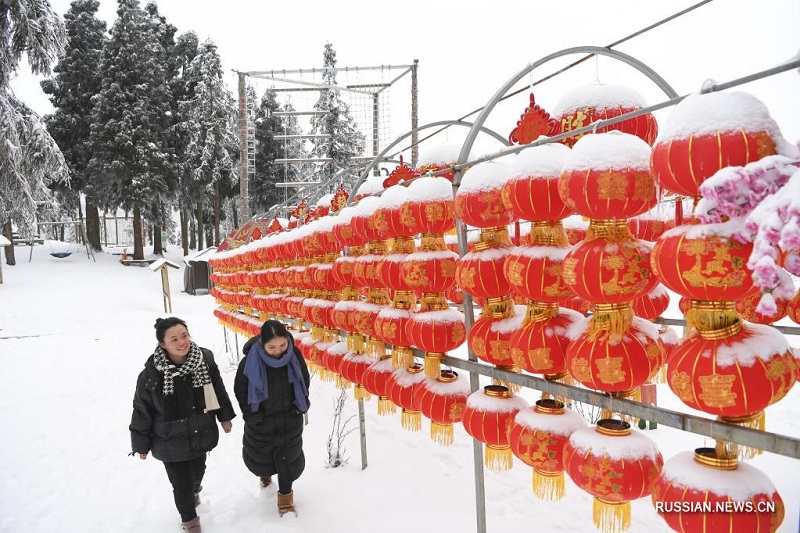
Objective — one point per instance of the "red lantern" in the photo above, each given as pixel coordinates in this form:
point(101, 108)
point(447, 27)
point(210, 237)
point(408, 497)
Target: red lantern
point(352, 369)
point(332, 357)
point(618, 185)
point(615, 466)
point(481, 274)
point(592, 103)
point(442, 400)
point(616, 363)
point(391, 324)
point(649, 228)
point(534, 272)
point(699, 139)
point(488, 337)
point(747, 308)
point(433, 271)
point(734, 377)
point(652, 305)
point(479, 199)
point(401, 390)
point(702, 492)
point(537, 436)
point(437, 331)
point(539, 346)
point(363, 221)
point(429, 208)
point(487, 417)
point(438, 158)
point(531, 192)
point(375, 380)
point(575, 227)
point(343, 229)
point(604, 271)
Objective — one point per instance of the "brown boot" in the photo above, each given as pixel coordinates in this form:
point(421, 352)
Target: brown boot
point(286, 503)
point(192, 526)
point(266, 481)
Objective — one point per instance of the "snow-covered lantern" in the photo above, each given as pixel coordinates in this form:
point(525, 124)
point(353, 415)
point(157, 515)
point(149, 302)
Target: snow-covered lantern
point(486, 418)
point(442, 401)
point(436, 332)
point(653, 304)
point(353, 368)
point(747, 307)
point(375, 380)
point(402, 391)
point(371, 186)
point(323, 206)
point(436, 158)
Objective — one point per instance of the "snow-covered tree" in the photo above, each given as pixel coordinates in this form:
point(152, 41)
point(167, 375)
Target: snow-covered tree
point(76, 81)
point(130, 161)
point(207, 118)
point(30, 161)
point(345, 141)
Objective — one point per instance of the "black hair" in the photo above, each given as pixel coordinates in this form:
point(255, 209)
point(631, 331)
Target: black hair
point(163, 324)
point(271, 329)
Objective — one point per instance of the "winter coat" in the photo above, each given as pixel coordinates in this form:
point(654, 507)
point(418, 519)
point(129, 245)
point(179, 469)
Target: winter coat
point(194, 433)
point(273, 435)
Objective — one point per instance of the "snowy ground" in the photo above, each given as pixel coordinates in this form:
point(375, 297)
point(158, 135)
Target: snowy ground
point(73, 337)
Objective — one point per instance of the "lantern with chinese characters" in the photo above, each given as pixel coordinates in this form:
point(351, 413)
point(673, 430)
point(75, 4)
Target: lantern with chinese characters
point(694, 490)
point(539, 346)
point(531, 191)
point(487, 417)
point(707, 132)
point(401, 390)
point(442, 401)
point(591, 103)
point(534, 272)
point(733, 373)
point(652, 305)
point(747, 308)
point(429, 209)
point(436, 158)
point(488, 337)
point(375, 380)
point(436, 332)
point(479, 200)
point(537, 436)
point(353, 367)
point(615, 465)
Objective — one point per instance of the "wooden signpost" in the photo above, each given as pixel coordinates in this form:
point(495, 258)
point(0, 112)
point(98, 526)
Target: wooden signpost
point(163, 265)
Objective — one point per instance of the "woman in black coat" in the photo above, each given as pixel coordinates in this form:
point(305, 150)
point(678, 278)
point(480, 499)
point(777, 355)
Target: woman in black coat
point(179, 394)
point(272, 389)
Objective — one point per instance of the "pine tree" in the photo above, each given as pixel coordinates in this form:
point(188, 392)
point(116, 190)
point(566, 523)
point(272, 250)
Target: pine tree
point(30, 161)
point(345, 141)
point(130, 160)
point(208, 120)
point(76, 81)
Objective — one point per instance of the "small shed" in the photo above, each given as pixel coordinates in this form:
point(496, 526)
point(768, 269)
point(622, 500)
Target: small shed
point(196, 275)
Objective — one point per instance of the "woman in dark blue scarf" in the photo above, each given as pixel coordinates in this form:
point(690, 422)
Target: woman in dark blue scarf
point(272, 389)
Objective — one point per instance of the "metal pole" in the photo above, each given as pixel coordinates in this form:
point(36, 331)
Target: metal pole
point(244, 200)
point(376, 144)
point(414, 116)
point(362, 425)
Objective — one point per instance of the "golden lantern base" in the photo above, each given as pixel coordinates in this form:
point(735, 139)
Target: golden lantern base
point(433, 364)
point(548, 486)
point(713, 320)
point(548, 233)
point(375, 348)
point(611, 517)
point(613, 320)
point(442, 433)
point(360, 393)
point(402, 357)
point(411, 420)
point(386, 406)
point(325, 374)
point(498, 458)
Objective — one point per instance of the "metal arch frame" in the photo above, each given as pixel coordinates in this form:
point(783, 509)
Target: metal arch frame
point(379, 158)
point(597, 50)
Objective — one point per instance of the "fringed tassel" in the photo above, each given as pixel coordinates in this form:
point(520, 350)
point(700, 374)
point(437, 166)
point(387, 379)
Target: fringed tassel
point(317, 333)
point(502, 307)
point(386, 406)
point(376, 348)
point(402, 357)
point(411, 420)
point(431, 242)
point(540, 311)
point(325, 374)
point(433, 364)
point(550, 233)
point(660, 376)
point(360, 393)
point(548, 486)
point(612, 230)
point(512, 387)
point(757, 422)
point(442, 433)
point(613, 320)
point(342, 383)
point(498, 458)
point(611, 517)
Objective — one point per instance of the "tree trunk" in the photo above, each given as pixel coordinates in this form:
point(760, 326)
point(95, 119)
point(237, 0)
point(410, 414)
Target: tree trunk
point(200, 226)
point(93, 224)
point(11, 260)
point(157, 248)
point(138, 233)
point(235, 215)
point(209, 235)
point(192, 230)
point(216, 213)
point(184, 232)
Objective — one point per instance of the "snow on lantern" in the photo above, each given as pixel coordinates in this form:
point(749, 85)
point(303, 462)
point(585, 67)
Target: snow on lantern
point(352, 368)
point(391, 327)
point(487, 417)
point(747, 308)
point(375, 380)
point(429, 210)
point(707, 132)
point(537, 436)
point(733, 373)
point(539, 346)
point(652, 305)
point(442, 401)
point(576, 227)
point(323, 206)
point(615, 465)
point(401, 390)
point(436, 158)
point(371, 186)
point(343, 229)
point(592, 103)
point(332, 358)
point(651, 225)
point(436, 332)
point(479, 199)
point(489, 339)
point(693, 488)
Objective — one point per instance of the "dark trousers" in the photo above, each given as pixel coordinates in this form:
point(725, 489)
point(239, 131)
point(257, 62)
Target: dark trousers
point(186, 477)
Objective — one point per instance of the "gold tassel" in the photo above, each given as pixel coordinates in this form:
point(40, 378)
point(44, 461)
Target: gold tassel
point(612, 230)
point(432, 242)
point(360, 393)
point(550, 233)
point(498, 458)
point(442, 433)
point(411, 420)
point(402, 357)
point(613, 320)
point(548, 486)
point(512, 387)
point(325, 374)
point(376, 348)
point(433, 364)
point(757, 422)
point(342, 383)
point(611, 517)
point(317, 333)
point(386, 406)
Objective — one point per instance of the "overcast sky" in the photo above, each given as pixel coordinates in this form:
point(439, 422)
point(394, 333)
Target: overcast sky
point(467, 51)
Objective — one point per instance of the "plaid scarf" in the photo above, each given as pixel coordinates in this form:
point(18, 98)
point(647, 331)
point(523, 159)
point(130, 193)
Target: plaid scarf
point(193, 366)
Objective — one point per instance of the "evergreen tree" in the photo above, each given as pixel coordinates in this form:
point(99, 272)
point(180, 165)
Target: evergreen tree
point(208, 119)
point(76, 81)
point(345, 141)
point(130, 161)
point(30, 161)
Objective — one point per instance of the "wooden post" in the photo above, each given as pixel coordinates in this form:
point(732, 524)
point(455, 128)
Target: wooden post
point(163, 265)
